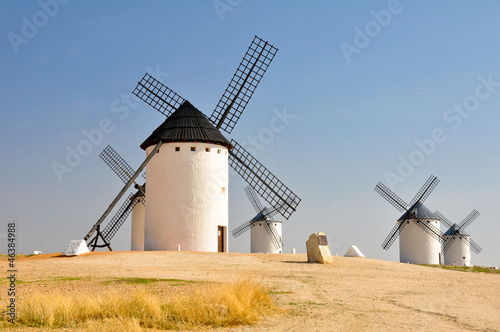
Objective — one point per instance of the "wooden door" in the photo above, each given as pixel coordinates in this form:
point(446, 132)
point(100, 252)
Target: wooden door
point(220, 238)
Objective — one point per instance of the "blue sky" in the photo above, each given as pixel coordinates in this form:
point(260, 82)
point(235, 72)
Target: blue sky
point(355, 116)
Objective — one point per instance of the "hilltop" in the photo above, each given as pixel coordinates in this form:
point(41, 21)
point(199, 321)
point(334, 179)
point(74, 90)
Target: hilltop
point(352, 294)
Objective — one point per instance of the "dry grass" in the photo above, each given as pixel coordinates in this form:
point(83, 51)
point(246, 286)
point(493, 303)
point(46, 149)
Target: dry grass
point(206, 305)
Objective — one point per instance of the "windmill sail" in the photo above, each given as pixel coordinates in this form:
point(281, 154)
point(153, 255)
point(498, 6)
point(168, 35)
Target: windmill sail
point(243, 84)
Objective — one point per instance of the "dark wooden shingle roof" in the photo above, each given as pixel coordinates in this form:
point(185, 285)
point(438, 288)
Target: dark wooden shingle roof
point(420, 211)
point(186, 124)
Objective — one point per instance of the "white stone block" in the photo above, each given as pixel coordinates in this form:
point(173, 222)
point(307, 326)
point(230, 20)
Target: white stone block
point(354, 251)
point(76, 247)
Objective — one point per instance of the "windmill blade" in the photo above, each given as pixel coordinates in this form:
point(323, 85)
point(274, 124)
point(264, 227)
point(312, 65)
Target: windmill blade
point(243, 228)
point(273, 234)
point(474, 246)
point(430, 229)
point(262, 180)
point(124, 189)
point(447, 244)
point(468, 220)
point(391, 197)
point(426, 190)
point(117, 163)
point(443, 218)
point(393, 235)
point(160, 97)
point(244, 82)
point(252, 196)
point(121, 215)
point(274, 211)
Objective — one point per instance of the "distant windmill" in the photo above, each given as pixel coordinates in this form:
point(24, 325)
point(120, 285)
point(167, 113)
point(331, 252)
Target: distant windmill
point(186, 200)
point(125, 172)
point(418, 228)
point(266, 237)
point(458, 252)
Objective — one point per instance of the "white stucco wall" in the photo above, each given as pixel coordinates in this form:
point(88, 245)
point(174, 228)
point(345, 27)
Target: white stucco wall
point(416, 246)
point(186, 197)
point(458, 253)
point(260, 241)
point(137, 233)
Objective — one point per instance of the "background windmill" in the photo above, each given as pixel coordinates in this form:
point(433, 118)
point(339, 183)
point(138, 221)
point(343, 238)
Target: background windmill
point(458, 252)
point(418, 228)
point(187, 129)
point(125, 173)
point(267, 236)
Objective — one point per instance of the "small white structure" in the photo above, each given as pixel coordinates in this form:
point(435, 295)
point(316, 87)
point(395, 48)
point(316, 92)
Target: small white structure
point(187, 185)
point(36, 252)
point(417, 246)
point(137, 232)
point(457, 244)
point(76, 247)
point(458, 252)
point(353, 251)
point(261, 241)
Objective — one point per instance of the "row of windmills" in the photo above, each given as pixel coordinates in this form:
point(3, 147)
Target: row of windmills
point(184, 205)
point(419, 230)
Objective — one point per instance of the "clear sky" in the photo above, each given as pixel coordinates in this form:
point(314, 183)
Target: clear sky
point(375, 91)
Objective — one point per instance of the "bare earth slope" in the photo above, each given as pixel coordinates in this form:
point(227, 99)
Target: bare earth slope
point(352, 294)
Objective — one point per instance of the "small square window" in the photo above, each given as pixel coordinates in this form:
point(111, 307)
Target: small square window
point(177, 148)
point(207, 149)
point(223, 190)
point(193, 148)
point(218, 151)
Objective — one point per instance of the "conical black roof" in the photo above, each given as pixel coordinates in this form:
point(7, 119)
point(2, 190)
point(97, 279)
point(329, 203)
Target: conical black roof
point(186, 124)
point(420, 211)
point(455, 230)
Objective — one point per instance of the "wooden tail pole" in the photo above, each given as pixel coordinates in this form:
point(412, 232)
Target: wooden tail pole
point(120, 194)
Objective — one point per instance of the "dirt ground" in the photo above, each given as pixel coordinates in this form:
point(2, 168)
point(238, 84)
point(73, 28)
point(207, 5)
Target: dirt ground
point(352, 294)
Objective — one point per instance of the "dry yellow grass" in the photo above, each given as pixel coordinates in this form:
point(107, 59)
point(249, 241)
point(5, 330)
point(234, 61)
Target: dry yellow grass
point(206, 305)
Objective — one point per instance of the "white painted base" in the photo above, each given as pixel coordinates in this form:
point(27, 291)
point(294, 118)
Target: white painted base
point(137, 233)
point(260, 242)
point(186, 197)
point(416, 246)
point(458, 253)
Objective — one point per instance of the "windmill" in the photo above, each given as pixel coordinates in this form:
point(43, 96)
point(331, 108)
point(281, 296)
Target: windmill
point(458, 252)
point(121, 168)
point(418, 228)
point(266, 237)
point(186, 205)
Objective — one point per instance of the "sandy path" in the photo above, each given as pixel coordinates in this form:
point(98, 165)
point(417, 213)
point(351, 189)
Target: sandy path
point(352, 294)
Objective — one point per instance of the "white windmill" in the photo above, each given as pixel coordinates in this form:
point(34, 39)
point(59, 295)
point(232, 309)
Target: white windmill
point(418, 228)
point(187, 197)
point(265, 232)
point(458, 252)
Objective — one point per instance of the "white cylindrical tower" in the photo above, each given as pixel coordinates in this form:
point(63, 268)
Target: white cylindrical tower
point(260, 240)
point(137, 233)
point(187, 185)
point(416, 245)
point(458, 253)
